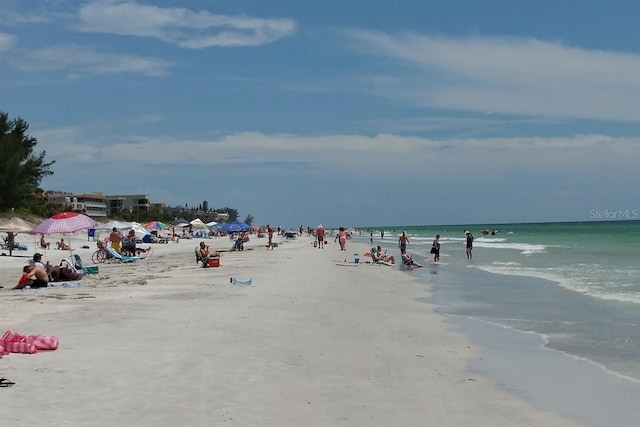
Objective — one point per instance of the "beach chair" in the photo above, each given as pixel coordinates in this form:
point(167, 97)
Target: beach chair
point(122, 258)
point(199, 258)
point(74, 267)
point(377, 260)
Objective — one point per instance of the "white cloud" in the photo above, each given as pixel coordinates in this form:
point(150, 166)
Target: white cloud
point(78, 59)
point(508, 75)
point(180, 26)
point(406, 156)
point(7, 41)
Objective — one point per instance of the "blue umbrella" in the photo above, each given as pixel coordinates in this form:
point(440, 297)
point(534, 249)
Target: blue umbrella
point(235, 226)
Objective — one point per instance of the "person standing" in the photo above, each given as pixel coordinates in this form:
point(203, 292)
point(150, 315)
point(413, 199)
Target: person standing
point(115, 239)
point(371, 236)
point(320, 236)
point(469, 244)
point(342, 239)
point(403, 240)
point(130, 243)
point(270, 236)
point(435, 248)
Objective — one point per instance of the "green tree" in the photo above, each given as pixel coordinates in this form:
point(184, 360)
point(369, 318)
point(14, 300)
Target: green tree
point(249, 219)
point(21, 169)
point(233, 213)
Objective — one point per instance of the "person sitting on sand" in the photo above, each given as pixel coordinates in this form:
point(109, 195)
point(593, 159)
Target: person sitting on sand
point(63, 246)
point(53, 271)
point(43, 243)
point(384, 257)
point(205, 253)
point(377, 258)
point(32, 276)
point(407, 261)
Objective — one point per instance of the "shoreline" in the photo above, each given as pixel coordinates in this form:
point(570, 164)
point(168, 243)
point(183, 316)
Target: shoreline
point(308, 343)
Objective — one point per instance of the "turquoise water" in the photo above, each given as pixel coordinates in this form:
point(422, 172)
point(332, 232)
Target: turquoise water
point(577, 285)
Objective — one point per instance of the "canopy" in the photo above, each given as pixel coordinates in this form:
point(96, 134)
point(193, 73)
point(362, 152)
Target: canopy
point(180, 222)
point(235, 226)
point(15, 225)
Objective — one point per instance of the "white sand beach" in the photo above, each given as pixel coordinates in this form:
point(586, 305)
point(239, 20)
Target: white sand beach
point(164, 342)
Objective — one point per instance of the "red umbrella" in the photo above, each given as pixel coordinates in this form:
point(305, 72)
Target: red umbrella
point(65, 222)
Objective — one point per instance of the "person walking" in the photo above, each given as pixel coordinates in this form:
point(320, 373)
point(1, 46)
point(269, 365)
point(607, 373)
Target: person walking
point(403, 241)
point(320, 236)
point(469, 244)
point(342, 239)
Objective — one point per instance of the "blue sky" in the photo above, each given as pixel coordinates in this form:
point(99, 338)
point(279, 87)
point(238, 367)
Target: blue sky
point(355, 113)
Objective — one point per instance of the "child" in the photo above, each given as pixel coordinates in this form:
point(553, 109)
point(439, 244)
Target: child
point(25, 279)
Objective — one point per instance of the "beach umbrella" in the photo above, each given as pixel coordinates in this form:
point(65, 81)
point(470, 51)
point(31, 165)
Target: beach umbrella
point(212, 224)
point(198, 223)
point(14, 226)
point(235, 226)
point(155, 225)
point(65, 222)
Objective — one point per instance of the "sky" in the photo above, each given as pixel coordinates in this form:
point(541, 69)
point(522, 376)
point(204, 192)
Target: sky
point(354, 113)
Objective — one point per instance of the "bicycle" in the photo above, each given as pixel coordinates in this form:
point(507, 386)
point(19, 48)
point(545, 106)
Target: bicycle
point(101, 255)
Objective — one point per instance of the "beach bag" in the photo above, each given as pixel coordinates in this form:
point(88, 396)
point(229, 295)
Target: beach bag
point(433, 250)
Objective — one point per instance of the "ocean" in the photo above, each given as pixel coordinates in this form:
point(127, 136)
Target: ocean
point(574, 285)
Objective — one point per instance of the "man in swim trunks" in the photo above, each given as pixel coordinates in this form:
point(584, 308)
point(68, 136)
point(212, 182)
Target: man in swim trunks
point(320, 236)
point(469, 244)
point(403, 240)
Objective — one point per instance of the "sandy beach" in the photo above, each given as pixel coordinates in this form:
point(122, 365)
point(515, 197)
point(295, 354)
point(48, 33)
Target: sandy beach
point(313, 341)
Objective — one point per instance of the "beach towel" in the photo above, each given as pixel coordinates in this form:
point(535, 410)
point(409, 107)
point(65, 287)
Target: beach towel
point(14, 342)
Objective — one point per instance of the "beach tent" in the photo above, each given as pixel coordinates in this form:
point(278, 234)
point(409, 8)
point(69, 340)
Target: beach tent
point(120, 225)
point(139, 229)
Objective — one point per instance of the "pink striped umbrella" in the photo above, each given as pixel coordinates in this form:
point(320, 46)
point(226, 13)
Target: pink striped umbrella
point(65, 222)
